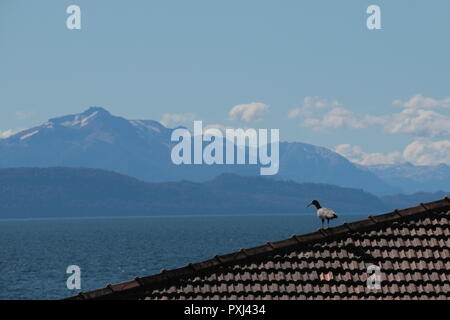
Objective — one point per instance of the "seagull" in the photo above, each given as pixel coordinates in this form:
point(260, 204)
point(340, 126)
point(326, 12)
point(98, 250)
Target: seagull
point(323, 213)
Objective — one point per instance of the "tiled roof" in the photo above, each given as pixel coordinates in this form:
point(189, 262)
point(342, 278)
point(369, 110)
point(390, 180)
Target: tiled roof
point(411, 247)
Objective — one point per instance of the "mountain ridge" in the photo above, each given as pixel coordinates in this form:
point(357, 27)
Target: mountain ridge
point(141, 148)
point(409, 178)
point(60, 192)
point(81, 192)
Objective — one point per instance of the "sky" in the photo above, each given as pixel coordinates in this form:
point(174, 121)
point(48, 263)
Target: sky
point(310, 68)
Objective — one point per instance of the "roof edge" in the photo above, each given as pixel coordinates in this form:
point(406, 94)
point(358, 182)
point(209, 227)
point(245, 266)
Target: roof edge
point(114, 291)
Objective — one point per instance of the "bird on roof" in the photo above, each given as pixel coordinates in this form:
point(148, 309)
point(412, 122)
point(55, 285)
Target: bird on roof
point(323, 213)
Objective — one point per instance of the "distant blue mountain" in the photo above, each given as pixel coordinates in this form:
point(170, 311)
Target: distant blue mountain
point(399, 201)
point(408, 178)
point(77, 192)
point(141, 149)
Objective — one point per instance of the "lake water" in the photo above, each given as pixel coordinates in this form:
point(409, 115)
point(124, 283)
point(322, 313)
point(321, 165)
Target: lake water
point(34, 254)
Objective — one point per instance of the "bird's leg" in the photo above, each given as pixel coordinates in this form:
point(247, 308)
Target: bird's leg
point(322, 222)
point(328, 222)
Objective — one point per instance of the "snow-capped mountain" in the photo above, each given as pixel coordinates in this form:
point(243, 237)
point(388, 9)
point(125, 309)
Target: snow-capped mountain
point(142, 148)
point(308, 163)
point(410, 178)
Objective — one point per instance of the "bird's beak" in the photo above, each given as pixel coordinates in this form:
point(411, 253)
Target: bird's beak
point(309, 205)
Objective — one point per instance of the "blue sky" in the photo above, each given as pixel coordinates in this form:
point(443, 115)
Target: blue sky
point(310, 68)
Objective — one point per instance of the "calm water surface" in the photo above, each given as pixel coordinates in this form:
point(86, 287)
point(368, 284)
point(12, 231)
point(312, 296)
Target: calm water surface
point(34, 254)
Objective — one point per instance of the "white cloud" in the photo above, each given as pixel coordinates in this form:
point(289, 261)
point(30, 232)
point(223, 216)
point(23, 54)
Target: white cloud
point(295, 113)
point(311, 105)
point(416, 119)
point(419, 102)
point(357, 155)
point(420, 122)
point(248, 112)
point(427, 152)
point(321, 115)
point(175, 119)
point(420, 152)
point(319, 103)
point(337, 117)
point(375, 120)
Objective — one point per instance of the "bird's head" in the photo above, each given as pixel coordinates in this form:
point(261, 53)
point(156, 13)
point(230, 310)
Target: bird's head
point(314, 203)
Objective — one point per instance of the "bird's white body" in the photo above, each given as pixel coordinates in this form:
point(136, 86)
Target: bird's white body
point(325, 213)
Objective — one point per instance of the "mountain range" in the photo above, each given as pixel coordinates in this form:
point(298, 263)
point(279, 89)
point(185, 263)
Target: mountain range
point(142, 148)
point(409, 178)
point(78, 192)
